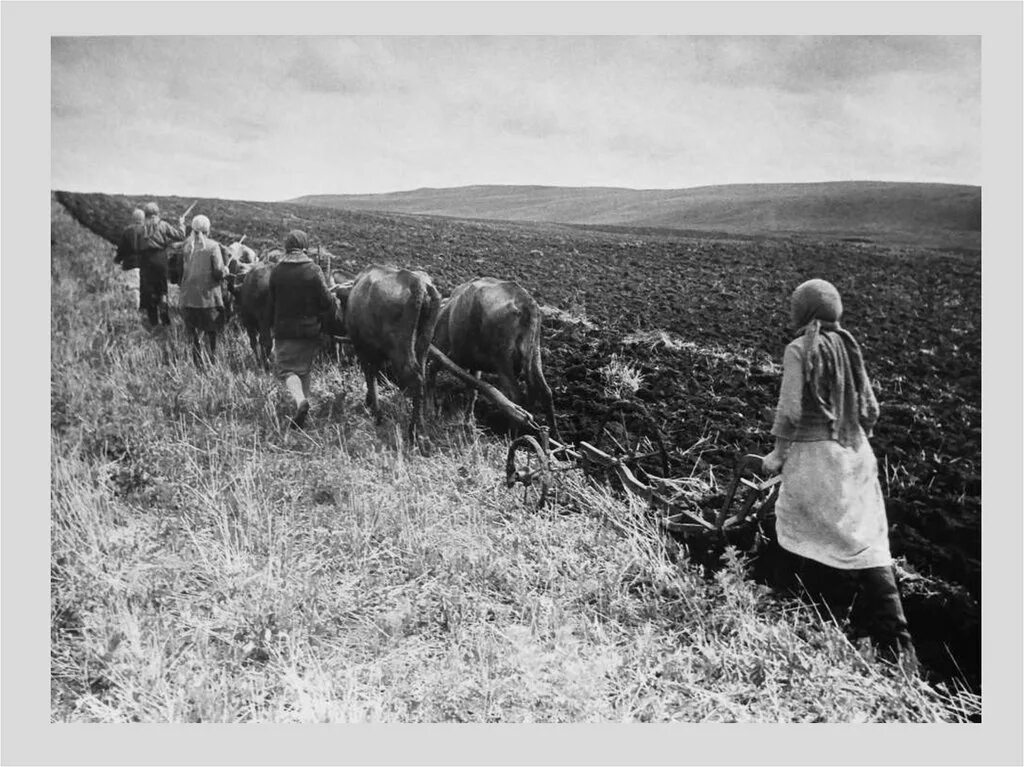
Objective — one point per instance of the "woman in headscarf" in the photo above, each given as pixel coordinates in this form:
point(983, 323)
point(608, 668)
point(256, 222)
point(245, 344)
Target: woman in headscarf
point(830, 514)
point(300, 301)
point(200, 295)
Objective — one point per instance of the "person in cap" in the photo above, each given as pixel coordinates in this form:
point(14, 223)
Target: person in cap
point(300, 302)
point(127, 256)
point(830, 514)
point(158, 236)
point(200, 296)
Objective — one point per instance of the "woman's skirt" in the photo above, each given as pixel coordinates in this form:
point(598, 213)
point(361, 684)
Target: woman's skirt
point(830, 506)
point(294, 356)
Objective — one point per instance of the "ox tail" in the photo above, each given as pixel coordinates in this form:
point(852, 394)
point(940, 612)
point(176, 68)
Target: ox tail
point(428, 309)
point(537, 389)
point(528, 345)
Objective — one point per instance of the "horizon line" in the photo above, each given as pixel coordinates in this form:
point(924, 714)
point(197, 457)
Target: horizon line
point(535, 186)
point(639, 189)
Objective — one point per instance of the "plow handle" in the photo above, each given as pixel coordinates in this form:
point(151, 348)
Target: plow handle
point(750, 462)
point(511, 410)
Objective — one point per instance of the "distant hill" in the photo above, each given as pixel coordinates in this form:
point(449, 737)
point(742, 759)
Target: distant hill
point(931, 215)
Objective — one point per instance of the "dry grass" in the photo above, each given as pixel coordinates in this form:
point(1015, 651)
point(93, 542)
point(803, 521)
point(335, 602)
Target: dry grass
point(663, 340)
point(210, 565)
point(620, 378)
point(654, 339)
point(574, 316)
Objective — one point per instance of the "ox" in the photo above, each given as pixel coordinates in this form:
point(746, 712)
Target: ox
point(254, 311)
point(493, 326)
point(243, 254)
point(390, 315)
point(239, 260)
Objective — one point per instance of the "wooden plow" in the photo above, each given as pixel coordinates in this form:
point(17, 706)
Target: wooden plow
point(628, 450)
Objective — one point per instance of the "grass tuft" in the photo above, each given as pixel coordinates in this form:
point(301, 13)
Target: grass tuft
point(620, 378)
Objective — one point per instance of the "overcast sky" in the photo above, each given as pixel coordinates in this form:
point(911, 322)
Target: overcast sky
point(270, 118)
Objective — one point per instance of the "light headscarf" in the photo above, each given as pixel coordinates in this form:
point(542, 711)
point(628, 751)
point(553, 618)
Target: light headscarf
point(833, 363)
point(200, 229)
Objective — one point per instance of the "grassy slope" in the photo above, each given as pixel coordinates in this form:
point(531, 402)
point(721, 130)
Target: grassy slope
point(208, 565)
point(937, 215)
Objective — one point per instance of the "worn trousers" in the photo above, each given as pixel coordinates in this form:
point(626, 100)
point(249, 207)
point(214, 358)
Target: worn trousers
point(153, 287)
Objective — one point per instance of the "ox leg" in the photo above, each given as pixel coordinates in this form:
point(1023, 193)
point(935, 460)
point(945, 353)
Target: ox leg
point(510, 388)
point(470, 411)
point(432, 368)
point(254, 344)
point(411, 377)
point(416, 423)
point(417, 407)
point(420, 385)
point(372, 404)
point(266, 347)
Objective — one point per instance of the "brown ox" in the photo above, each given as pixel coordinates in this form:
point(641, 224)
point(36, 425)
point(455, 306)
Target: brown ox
point(390, 315)
point(253, 309)
point(243, 254)
point(239, 260)
point(493, 326)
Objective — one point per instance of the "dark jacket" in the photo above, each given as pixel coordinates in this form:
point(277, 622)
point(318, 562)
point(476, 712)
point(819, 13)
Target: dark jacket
point(299, 298)
point(157, 236)
point(129, 245)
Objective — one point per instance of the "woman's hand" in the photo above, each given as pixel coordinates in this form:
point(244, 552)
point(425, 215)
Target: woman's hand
point(772, 463)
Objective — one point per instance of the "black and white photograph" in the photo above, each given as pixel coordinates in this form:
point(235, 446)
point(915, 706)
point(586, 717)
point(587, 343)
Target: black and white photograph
point(516, 378)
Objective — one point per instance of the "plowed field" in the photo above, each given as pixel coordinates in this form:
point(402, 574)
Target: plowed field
point(723, 304)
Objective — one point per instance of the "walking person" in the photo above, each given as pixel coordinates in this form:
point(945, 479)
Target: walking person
point(830, 514)
point(158, 236)
point(200, 297)
point(299, 301)
point(127, 256)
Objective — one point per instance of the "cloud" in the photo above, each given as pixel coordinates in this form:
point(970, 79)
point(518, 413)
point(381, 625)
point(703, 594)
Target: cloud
point(314, 72)
point(534, 122)
point(281, 116)
point(342, 66)
point(643, 146)
point(810, 63)
point(247, 127)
